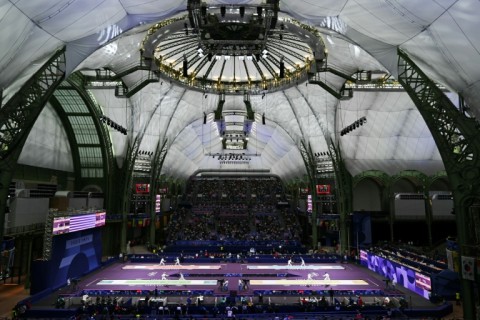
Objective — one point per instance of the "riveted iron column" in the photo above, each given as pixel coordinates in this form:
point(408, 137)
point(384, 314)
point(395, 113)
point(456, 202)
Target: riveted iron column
point(157, 163)
point(343, 180)
point(19, 114)
point(456, 136)
point(309, 161)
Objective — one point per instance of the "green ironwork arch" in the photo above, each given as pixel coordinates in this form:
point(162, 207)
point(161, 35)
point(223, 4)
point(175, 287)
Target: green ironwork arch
point(440, 175)
point(380, 177)
point(417, 178)
point(72, 141)
point(19, 114)
point(76, 81)
point(456, 137)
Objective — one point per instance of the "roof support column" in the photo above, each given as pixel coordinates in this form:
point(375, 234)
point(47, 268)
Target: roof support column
point(456, 136)
point(126, 172)
point(7, 168)
point(388, 206)
point(157, 164)
point(343, 180)
point(309, 161)
point(17, 117)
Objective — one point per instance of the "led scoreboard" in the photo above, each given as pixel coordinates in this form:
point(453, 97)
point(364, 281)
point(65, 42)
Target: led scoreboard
point(68, 224)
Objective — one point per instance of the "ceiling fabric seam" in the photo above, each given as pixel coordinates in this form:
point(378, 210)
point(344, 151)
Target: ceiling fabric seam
point(341, 10)
point(386, 23)
point(428, 26)
point(34, 22)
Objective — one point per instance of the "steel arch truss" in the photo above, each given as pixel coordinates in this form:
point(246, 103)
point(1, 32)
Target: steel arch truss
point(87, 112)
point(343, 180)
point(156, 164)
point(456, 135)
point(309, 161)
point(20, 112)
point(457, 140)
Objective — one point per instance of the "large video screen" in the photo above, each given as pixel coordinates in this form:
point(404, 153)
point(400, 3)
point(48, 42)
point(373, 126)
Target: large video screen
point(68, 224)
point(142, 188)
point(403, 275)
point(323, 188)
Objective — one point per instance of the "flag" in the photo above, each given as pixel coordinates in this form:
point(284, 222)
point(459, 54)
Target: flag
point(468, 268)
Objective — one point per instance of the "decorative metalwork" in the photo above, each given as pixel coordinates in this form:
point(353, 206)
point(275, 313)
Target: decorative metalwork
point(259, 52)
point(456, 137)
point(18, 115)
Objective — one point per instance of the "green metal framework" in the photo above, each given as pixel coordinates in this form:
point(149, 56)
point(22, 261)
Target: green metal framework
point(456, 137)
point(157, 164)
point(19, 114)
point(344, 93)
point(91, 137)
point(62, 115)
point(380, 177)
point(421, 182)
point(126, 172)
point(343, 180)
point(143, 66)
point(311, 168)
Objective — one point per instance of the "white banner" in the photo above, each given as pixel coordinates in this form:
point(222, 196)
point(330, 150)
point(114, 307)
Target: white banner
point(449, 260)
point(468, 268)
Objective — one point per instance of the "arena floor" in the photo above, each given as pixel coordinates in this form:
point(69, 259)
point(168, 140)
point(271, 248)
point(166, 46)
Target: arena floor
point(139, 276)
point(287, 282)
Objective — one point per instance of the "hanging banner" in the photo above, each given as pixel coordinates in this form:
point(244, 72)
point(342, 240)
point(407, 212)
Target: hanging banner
point(468, 268)
point(450, 259)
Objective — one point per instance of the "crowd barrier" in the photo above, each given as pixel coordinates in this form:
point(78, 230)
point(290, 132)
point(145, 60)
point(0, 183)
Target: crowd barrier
point(259, 312)
point(260, 258)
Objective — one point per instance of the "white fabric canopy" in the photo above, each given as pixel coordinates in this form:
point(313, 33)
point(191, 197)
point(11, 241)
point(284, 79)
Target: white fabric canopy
point(441, 36)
